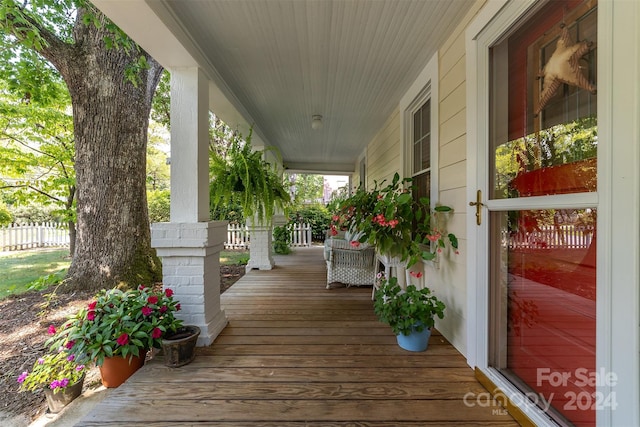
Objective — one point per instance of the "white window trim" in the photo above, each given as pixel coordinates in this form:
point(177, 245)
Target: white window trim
point(618, 289)
point(423, 88)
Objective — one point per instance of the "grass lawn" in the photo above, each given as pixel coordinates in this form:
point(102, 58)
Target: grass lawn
point(18, 269)
point(234, 257)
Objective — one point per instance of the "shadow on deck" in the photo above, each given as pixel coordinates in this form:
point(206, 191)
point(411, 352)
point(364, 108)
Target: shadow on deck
point(294, 354)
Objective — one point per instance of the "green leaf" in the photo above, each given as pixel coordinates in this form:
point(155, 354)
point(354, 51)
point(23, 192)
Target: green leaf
point(404, 198)
point(454, 240)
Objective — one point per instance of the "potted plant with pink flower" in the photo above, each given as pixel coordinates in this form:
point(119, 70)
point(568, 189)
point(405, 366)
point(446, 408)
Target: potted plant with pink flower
point(119, 327)
point(59, 374)
point(397, 225)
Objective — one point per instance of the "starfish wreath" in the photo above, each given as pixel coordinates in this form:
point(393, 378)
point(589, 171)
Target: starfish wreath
point(563, 67)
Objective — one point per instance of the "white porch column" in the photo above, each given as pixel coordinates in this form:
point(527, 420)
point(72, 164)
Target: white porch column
point(190, 244)
point(261, 248)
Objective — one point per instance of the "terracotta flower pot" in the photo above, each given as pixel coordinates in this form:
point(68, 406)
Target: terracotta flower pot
point(179, 348)
point(58, 400)
point(117, 369)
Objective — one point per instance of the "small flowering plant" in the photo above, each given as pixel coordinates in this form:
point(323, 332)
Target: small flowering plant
point(405, 309)
point(55, 371)
point(119, 323)
point(398, 226)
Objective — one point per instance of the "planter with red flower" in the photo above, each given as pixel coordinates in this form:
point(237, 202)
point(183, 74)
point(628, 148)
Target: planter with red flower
point(119, 327)
point(402, 229)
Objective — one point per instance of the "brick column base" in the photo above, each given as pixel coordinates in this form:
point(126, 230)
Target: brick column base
point(190, 255)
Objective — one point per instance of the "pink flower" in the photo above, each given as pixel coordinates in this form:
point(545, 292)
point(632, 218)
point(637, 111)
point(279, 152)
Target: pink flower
point(168, 292)
point(40, 361)
point(92, 305)
point(51, 330)
point(54, 384)
point(355, 243)
point(123, 339)
point(335, 217)
point(91, 315)
point(178, 307)
point(141, 287)
point(146, 311)
point(393, 223)
point(334, 232)
point(79, 368)
point(152, 299)
point(69, 345)
point(64, 382)
point(156, 333)
point(434, 237)
point(71, 358)
point(164, 309)
point(23, 376)
point(416, 274)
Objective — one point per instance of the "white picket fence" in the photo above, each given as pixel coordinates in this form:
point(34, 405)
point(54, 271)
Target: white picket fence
point(17, 237)
point(551, 237)
point(238, 236)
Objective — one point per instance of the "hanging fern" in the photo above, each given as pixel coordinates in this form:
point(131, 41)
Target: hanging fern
point(244, 172)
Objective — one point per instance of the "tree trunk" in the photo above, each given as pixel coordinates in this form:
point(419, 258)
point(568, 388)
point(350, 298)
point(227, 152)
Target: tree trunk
point(111, 118)
point(72, 238)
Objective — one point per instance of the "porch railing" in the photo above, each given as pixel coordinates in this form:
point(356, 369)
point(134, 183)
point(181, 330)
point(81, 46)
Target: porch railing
point(15, 237)
point(239, 236)
point(551, 237)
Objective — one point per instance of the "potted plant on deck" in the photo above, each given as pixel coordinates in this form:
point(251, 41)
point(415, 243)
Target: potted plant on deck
point(59, 375)
point(118, 328)
point(410, 313)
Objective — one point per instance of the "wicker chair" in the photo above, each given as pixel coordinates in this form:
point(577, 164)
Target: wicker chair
point(348, 265)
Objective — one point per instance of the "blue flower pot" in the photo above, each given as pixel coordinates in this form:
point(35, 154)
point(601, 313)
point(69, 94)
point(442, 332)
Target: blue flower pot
point(415, 341)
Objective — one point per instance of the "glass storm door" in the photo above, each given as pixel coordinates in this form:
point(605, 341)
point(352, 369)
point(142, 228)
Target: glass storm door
point(542, 155)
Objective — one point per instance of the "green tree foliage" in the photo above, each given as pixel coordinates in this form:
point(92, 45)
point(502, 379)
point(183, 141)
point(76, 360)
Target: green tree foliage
point(159, 205)
point(37, 151)
point(5, 215)
point(308, 189)
point(158, 169)
point(111, 83)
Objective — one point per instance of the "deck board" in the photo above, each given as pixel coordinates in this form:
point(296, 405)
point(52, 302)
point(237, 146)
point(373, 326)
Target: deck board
point(297, 354)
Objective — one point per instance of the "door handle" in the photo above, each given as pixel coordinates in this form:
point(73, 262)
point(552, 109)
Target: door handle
point(478, 204)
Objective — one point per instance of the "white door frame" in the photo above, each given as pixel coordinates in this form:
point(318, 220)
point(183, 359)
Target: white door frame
point(617, 200)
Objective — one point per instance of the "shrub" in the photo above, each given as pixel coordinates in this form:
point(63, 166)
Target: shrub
point(318, 217)
point(282, 239)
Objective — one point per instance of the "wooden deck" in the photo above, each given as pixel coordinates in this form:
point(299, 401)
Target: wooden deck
point(297, 354)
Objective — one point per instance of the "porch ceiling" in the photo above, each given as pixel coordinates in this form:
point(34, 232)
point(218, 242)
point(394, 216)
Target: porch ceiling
point(279, 62)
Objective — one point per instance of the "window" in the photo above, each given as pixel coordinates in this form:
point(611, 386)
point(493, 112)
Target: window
point(419, 132)
point(421, 170)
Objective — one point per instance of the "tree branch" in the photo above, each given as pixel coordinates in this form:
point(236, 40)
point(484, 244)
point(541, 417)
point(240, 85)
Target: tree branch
point(53, 49)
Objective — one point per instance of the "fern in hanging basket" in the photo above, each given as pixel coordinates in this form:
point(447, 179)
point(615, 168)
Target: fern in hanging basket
point(241, 174)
